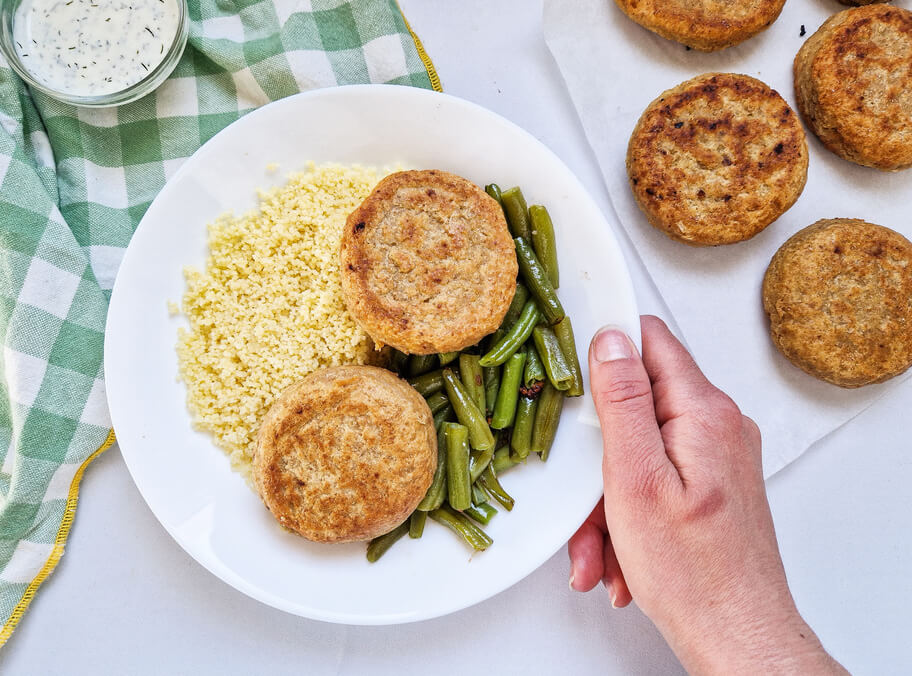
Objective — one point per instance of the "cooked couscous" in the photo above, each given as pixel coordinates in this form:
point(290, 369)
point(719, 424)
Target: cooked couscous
point(268, 308)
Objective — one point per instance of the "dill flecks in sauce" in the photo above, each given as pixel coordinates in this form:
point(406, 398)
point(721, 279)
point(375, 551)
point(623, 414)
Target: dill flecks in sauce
point(93, 47)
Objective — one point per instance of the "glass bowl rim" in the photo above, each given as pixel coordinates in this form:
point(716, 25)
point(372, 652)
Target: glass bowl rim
point(136, 90)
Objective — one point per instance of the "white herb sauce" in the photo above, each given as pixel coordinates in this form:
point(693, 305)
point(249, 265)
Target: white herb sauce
point(92, 47)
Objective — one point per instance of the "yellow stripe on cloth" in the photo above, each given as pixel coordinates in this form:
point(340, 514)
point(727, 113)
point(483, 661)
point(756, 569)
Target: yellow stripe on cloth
point(423, 55)
point(57, 552)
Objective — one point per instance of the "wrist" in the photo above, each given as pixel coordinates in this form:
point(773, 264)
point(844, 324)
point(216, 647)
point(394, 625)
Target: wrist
point(768, 642)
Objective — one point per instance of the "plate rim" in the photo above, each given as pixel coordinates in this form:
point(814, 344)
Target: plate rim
point(218, 568)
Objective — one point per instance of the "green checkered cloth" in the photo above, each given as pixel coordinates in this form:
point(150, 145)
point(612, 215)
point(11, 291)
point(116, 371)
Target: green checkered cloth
point(74, 184)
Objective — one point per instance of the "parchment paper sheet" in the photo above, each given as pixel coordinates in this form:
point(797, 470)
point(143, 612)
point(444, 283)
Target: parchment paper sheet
point(613, 69)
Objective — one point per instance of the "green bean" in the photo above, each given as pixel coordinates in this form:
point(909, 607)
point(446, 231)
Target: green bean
point(438, 488)
point(482, 513)
point(470, 374)
point(502, 438)
point(552, 357)
point(488, 480)
point(461, 525)
point(494, 191)
point(520, 296)
point(447, 357)
point(535, 371)
point(526, 368)
point(379, 545)
point(564, 332)
point(536, 279)
point(491, 376)
point(437, 402)
point(416, 524)
point(505, 408)
point(459, 487)
point(514, 206)
point(467, 412)
point(502, 461)
point(547, 417)
point(446, 415)
point(478, 462)
point(427, 383)
point(419, 364)
point(521, 439)
point(515, 337)
point(544, 243)
point(398, 361)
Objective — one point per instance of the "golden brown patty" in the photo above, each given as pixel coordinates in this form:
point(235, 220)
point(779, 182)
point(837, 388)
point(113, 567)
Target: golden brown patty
point(853, 82)
point(839, 299)
point(706, 25)
point(717, 159)
point(428, 264)
point(345, 454)
point(856, 3)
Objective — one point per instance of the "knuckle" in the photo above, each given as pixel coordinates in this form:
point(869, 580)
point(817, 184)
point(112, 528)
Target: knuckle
point(719, 410)
point(751, 429)
point(625, 391)
point(707, 502)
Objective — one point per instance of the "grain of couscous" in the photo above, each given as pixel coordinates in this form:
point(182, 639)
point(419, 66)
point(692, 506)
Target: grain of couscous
point(267, 309)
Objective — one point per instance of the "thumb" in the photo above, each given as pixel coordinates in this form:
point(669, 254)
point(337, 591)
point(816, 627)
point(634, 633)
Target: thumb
point(634, 453)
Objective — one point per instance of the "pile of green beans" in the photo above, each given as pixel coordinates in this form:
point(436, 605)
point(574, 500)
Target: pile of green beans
point(496, 403)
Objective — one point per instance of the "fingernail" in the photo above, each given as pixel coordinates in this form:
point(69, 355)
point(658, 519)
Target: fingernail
point(611, 344)
point(612, 595)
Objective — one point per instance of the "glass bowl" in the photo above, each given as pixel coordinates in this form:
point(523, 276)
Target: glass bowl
point(137, 90)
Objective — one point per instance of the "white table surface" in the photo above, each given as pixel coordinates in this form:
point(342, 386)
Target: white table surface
point(126, 599)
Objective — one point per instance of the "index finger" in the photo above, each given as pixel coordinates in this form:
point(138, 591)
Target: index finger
point(690, 411)
point(678, 384)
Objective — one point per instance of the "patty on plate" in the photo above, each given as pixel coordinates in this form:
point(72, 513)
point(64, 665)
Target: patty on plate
point(717, 159)
point(428, 264)
point(853, 84)
point(706, 25)
point(839, 299)
point(345, 454)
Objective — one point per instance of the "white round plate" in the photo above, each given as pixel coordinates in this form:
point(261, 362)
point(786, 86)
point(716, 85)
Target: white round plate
point(186, 480)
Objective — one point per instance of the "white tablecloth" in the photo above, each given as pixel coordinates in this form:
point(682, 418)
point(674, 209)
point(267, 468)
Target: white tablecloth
point(127, 600)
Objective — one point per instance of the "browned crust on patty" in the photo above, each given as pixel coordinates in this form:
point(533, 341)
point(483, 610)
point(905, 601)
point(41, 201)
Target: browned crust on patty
point(705, 25)
point(853, 83)
point(838, 295)
point(857, 3)
point(428, 264)
point(717, 159)
point(345, 454)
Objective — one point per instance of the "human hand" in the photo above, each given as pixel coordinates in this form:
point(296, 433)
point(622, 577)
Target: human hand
point(685, 527)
